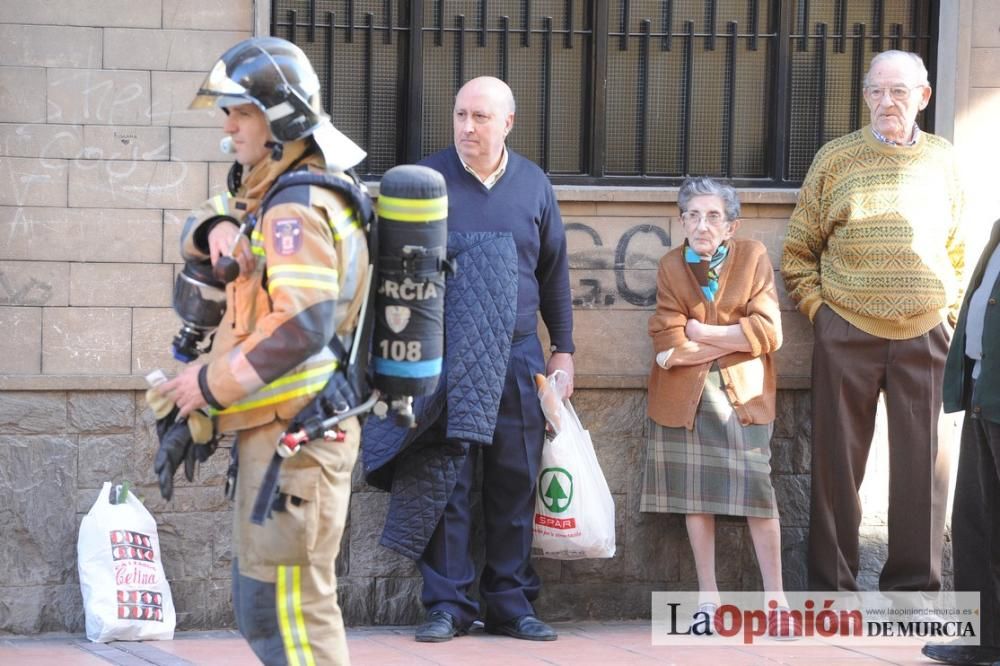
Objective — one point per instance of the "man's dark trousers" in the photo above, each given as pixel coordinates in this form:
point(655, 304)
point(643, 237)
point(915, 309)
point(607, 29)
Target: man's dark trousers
point(509, 583)
point(850, 369)
point(975, 522)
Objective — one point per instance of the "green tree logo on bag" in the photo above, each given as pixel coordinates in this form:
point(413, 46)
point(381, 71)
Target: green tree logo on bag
point(555, 489)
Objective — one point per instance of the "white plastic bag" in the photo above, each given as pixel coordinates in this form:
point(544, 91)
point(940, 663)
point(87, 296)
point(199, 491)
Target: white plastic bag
point(126, 596)
point(574, 511)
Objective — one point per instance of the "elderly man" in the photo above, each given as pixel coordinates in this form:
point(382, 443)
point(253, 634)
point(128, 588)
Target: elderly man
point(506, 237)
point(873, 257)
point(972, 383)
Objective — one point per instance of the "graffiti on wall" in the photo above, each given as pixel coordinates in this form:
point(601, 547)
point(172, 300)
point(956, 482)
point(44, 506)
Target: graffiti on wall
point(631, 259)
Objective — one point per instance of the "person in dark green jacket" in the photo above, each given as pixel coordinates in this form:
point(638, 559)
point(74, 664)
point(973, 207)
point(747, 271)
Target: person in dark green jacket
point(972, 383)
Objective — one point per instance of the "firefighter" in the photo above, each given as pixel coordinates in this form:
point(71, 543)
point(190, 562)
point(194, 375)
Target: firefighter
point(289, 321)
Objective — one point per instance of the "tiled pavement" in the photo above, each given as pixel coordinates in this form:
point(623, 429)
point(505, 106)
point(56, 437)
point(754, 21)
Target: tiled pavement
point(579, 644)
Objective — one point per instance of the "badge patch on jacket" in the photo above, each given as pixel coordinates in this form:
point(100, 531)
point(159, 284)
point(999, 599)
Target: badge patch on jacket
point(287, 236)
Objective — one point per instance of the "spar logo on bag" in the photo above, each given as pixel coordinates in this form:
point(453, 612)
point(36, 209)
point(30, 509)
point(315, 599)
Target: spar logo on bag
point(555, 491)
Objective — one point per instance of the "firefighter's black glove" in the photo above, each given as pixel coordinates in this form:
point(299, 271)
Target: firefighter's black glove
point(190, 440)
point(175, 444)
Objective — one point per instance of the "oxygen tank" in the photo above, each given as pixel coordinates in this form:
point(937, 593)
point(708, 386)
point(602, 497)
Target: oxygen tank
point(408, 343)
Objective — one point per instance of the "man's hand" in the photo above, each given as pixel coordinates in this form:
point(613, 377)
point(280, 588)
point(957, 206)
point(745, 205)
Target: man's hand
point(221, 238)
point(561, 361)
point(184, 391)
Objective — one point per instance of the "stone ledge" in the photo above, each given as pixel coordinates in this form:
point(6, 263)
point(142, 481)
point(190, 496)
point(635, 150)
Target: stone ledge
point(637, 194)
point(138, 383)
point(72, 383)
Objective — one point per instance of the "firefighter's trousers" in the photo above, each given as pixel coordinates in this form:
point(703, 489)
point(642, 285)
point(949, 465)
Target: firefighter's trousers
point(284, 584)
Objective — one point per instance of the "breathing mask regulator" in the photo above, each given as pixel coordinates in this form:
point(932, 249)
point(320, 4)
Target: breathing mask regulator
point(200, 289)
point(200, 302)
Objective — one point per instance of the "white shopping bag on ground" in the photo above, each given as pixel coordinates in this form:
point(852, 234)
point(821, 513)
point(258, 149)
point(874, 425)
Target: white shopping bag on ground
point(126, 597)
point(574, 511)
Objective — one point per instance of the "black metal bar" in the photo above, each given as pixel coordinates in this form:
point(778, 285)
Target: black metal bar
point(878, 24)
point(350, 22)
point(804, 42)
point(688, 90)
point(312, 21)
point(710, 28)
point(668, 25)
point(546, 90)
point(569, 25)
point(483, 13)
point(274, 21)
point(459, 52)
point(623, 40)
point(642, 97)
point(388, 22)
point(504, 47)
point(526, 25)
point(597, 116)
point(896, 36)
point(293, 19)
point(439, 21)
point(331, 39)
point(914, 23)
point(414, 111)
point(857, 72)
point(929, 55)
point(731, 96)
point(821, 85)
point(841, 25)
point(369, 84)
point(754, 21)
point(779, 113)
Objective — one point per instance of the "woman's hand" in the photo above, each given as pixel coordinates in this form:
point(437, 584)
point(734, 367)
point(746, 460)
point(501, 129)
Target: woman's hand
point(694, 330)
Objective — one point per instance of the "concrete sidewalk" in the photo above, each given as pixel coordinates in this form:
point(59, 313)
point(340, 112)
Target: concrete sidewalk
point(579, 644)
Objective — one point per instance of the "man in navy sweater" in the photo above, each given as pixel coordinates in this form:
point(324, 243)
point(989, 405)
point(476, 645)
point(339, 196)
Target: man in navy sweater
point(492, 189)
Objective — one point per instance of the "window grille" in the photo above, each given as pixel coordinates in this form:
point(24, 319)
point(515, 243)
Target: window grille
point(610, 91)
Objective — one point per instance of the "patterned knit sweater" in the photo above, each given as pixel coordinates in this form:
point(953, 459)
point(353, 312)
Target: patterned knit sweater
point(876, 235)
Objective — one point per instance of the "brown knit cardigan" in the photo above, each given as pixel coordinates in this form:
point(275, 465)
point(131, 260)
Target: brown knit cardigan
point(746, 296)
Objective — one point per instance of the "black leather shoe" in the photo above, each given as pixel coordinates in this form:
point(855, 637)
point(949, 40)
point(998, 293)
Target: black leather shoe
point(961, 654)
point(440, 626)
point(526, 627)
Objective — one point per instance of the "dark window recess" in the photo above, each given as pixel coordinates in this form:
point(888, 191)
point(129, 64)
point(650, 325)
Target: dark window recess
point(610, 91)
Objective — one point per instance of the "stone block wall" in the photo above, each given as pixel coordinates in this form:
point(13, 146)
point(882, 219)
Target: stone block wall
point(58, 447)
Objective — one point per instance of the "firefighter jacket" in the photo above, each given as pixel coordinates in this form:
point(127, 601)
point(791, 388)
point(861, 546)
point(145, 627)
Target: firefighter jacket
point(271, 353)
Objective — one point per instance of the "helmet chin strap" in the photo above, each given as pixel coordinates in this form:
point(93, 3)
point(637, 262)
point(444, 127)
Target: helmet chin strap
point(277, 150)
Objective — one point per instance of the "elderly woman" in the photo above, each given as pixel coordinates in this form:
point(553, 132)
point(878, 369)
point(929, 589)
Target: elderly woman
point(712, 388)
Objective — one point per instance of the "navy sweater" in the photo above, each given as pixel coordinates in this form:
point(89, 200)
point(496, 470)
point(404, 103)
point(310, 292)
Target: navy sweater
point(522, 203)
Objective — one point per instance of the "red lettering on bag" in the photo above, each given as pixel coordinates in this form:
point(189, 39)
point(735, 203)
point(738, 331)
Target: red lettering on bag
point(555, 523)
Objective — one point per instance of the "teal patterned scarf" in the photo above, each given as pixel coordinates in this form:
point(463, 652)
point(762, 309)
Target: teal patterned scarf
point(707, 271)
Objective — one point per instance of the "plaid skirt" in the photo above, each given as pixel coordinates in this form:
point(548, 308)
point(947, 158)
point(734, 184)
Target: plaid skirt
point(721, 467)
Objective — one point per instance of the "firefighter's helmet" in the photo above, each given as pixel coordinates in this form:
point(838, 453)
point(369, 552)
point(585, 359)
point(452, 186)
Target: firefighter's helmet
point(277, 77)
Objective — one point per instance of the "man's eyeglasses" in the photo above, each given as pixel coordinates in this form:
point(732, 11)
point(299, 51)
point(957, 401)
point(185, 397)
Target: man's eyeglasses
point(897, 93)
point(713, 218)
